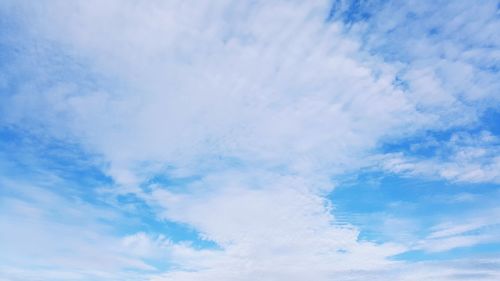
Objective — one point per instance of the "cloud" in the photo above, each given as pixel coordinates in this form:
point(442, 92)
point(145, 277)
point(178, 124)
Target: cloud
point(464, 157)
point(276, 228)
point(49, 236)
point(263, 102)
point(477, 269)
point(299, 95)
point(471, 229)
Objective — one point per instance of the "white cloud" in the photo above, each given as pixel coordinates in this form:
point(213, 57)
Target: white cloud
point(272, 227)
point(469, 230)
point(485, 269)
point(276, 87)
point(46, 236)
point(199, 88)
point(464, 157)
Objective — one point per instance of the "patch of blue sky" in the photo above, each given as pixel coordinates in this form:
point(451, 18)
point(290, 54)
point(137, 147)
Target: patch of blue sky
point(373, 192)
point(350, 12)
point(432, 143)
point(25, 152)
point(73, 174)
point(398, 31)
point(490, 120)
point(479, 251)
point(169, 181)
point(391, 208)
point(146, 220)
point(175, 231)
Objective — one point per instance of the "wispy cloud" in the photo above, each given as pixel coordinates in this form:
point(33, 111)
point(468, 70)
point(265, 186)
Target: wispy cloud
point(231, 119)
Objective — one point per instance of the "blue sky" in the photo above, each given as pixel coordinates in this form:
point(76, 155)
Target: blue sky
point(252, 140)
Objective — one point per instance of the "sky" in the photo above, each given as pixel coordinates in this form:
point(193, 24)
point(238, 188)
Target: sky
point(250, 140)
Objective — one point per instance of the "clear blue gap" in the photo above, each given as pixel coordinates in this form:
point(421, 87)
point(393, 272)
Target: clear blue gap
point(353, 11)
point(367, 199)
point(479, 251)
point(489, 121)
point(81, 177)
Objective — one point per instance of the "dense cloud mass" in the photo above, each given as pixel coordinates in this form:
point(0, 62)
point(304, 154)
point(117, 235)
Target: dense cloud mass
point(234, 121)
